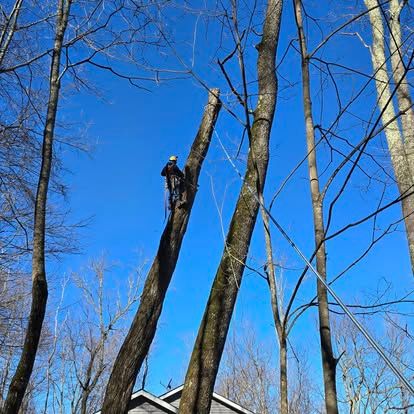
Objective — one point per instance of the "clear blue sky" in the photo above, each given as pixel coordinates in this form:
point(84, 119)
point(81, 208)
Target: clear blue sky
point(118, 184)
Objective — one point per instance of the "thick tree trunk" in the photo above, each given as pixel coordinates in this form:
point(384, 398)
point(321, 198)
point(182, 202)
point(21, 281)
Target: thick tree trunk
point(24, 369)
point(207, 352)
point(395, 142)
point(139, 338)
point(403, 91)
point(328, 360)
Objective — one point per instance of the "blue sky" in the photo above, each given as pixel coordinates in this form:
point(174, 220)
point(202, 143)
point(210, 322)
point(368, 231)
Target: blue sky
point(118, 185)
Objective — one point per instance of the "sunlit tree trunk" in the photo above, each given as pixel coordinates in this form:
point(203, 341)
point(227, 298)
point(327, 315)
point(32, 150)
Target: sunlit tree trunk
point(403, 92)
point(393, 135)
point(328, 360)
point(208, 349)
point(137, 343)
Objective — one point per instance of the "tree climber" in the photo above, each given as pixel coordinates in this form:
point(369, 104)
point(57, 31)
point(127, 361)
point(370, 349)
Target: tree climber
point(174, 179)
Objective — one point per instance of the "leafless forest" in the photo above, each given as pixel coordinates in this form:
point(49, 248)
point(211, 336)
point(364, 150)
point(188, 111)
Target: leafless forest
point(307, 117)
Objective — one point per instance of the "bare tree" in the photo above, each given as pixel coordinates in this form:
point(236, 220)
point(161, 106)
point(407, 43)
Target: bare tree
point(398, 144)
point(328, 359)
point(205, 359)
point(284, 321)
point(86, 36)
point(80, 339)
point(39, 290)
point(277, 312)
point(8, 28)
point(368, 386)
point(21, 103)
point(81, 360)
point(136, 344)
point(14, 306)
point(89, 339)
point(247, 374)
point(99, 345)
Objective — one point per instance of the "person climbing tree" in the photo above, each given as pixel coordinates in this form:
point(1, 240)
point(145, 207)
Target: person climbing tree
point(174, 179)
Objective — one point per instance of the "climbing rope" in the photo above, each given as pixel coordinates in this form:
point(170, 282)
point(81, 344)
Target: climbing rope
point(338, 300)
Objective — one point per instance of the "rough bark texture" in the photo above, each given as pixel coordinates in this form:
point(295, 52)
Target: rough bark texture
point(24, 369)
point(328, 359)
point(142, 331)
point(393, 135)
point(205, 359)
point(403, 91)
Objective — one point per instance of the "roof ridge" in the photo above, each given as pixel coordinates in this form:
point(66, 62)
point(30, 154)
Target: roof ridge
point(218, 397)
point(154, 399)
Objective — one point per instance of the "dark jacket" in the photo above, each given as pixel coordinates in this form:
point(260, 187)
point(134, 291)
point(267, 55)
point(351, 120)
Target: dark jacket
point(171, 169)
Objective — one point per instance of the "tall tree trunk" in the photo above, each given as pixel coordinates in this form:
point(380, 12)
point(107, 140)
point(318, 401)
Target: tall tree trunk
point(403, 92)
point(328, 360)
point(24, 369)
point(139, 338)
point(207, 352)
point(279, 320)
point(395, 142)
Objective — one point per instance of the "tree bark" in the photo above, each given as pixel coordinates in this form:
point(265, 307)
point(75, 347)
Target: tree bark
point(9, 29)
point(207, 352)
point(403, 92)
point(279, 320)
point(399, 159)
point(24, 369)
point(283, 377)
point(328, 360)
point(139, 338)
